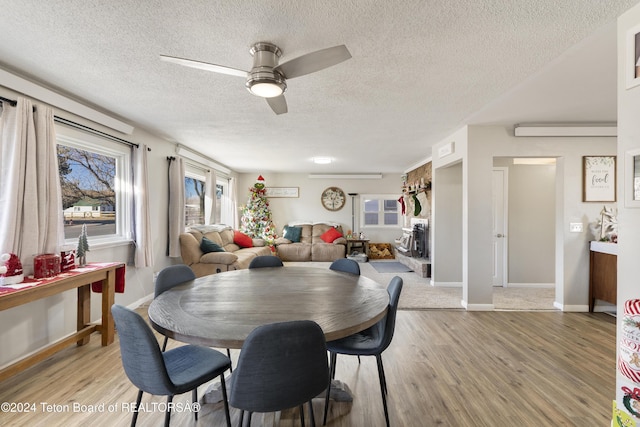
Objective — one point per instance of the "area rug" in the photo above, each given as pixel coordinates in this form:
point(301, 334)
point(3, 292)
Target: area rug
point(390, 267)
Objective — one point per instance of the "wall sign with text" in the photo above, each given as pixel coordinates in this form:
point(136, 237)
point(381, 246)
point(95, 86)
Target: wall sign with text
point(599, 178)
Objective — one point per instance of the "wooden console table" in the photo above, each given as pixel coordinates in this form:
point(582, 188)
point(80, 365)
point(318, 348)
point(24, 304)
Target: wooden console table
point(603, 273)
point(80, 278)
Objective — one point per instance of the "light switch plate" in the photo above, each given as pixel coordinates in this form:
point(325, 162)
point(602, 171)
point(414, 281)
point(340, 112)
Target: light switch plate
point(575, 227)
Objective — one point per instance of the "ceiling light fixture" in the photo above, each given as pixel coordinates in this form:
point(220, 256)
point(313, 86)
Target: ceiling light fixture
point(534, 161)
point(322, 160)
point(566, 130)
point(346, 176)
point(263, 80)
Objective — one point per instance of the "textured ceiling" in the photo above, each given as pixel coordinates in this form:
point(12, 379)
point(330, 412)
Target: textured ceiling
point(420, 70)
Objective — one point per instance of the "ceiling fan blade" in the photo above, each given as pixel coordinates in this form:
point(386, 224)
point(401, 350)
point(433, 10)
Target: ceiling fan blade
point(314, 61)
point(278, 104)
point(204, 66)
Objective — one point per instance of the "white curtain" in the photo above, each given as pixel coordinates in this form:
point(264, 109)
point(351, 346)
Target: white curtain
point(142, 218)
point(210, 198)
point(233, 203)
point(31, 219)
point(176, 205)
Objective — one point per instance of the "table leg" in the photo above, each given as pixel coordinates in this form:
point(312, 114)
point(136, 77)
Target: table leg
point(84, 311)
point(108, 298)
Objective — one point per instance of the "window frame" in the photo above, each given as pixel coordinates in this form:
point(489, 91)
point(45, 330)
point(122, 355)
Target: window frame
point(194, 172)
point(381, 211)
point(123, 182)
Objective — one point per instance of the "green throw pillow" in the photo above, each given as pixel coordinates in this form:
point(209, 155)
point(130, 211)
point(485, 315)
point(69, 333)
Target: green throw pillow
point(207, 246)
point(292, 233)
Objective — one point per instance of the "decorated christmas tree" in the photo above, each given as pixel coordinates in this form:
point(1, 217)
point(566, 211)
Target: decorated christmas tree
point(256, 216)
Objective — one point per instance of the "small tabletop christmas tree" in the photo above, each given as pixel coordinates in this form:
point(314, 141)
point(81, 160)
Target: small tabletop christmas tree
point(83, 246)
point(256, 216)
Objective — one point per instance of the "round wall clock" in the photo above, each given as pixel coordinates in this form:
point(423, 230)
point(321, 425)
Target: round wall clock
point(333, 198)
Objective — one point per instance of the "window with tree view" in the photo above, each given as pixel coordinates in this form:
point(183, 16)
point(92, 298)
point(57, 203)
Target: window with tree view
point(194, 200)
point(88, 191)
point(95, 180)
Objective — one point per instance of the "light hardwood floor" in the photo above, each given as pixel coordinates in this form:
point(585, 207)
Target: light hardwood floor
point(444, 368)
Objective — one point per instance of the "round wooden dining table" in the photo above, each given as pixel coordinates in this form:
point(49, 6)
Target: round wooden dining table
point(221, 310)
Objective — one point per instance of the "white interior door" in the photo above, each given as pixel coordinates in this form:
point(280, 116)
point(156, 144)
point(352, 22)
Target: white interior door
point(499, 206)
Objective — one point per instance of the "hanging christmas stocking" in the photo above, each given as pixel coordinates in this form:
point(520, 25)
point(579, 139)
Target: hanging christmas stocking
point(424, 203)
point(402, 205)
point(417, 208)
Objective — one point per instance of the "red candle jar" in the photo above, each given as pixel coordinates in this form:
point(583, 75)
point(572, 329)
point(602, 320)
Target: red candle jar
point(46, 265)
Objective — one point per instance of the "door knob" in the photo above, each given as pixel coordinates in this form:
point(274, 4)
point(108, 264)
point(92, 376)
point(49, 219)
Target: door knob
point(499, 235)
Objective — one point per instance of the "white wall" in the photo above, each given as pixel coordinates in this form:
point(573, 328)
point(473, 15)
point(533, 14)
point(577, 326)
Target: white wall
point(628, 217)
point(307, 207)
point(446, 270)
point(31, 326)
point(476, 146)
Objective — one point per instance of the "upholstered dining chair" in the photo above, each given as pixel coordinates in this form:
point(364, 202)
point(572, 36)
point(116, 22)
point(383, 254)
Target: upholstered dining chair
point(281, 366)
point(166, 373)
point(170, 277)
point(370, 342)
point(345, 264)
point(266, 261)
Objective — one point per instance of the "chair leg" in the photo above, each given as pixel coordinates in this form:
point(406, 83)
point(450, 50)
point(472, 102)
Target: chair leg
point(229, 356)
point(302, 415)
point(332, 368)
point(164, 344)
point(382, 388)
point(194, 394)
point(381, 372)
point(313, 418)
point(334, 360)
point(226, 401)
point(135, 410)
point(167, 417)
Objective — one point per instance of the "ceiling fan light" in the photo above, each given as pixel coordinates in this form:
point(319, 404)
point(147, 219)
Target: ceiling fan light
point(266, 89)
point(322, 160)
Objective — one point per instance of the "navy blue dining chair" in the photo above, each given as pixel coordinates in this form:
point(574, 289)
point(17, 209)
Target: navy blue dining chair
point(166, 373)
point(345, 264)
point(170, 277)
point(266, 261)
point(370, 342)
point(281, 366)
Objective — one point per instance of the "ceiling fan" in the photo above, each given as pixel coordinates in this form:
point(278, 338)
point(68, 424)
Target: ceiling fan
point(267, 78)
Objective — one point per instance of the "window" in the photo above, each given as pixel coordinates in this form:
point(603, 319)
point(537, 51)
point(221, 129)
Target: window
point(194, 200)
point(95, 179)
point(380, 211)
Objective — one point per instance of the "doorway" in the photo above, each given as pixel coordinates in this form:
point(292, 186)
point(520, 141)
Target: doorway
point(524, 222)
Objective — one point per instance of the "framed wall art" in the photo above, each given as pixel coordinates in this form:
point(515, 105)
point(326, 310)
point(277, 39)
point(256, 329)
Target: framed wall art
point(599, 178)
point(632, 63)
point(282, 192)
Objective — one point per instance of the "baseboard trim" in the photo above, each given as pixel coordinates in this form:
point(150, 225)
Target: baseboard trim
point(571, 308)
point(530, 285)
point(477, 307)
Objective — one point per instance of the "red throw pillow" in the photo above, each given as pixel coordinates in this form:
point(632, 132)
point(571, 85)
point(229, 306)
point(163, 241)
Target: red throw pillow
point(330, 235)
point(242, 239)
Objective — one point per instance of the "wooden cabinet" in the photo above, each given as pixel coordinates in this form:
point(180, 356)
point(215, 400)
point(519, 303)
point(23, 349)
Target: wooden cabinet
point(603, 273)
